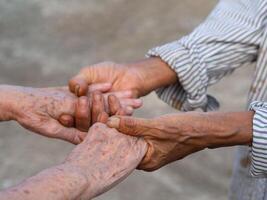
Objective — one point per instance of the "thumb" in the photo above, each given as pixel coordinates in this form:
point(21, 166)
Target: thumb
point(79, 85)
point(130, 125)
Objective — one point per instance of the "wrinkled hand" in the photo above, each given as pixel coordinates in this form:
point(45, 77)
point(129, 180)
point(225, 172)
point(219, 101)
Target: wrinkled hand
point(169, 137)
point(105, 158)
point(121, 77)
point(38, 110)
point(88, 109)
point(93, 109)
point(56, 113)
point(126, 97)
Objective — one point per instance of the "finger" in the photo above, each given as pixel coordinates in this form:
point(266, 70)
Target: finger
point(101, 87)
point(121, 112)
point(98, 106)
point(134, 103)
point(128, 110)
point(66, 120)
point(102, 118)
point(82, 114)
point(114, 104)
point(131, 126)
point(121, 94)
point(79, 85)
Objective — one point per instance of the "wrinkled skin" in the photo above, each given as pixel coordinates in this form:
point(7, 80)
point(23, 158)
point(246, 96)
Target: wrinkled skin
point(173, 137)
point(167, 142)
point(38, 110)
point(140, 77)
point(91, 110)
point(121, 77)
point(101, 161)
point(57, 113)
point(106, 157)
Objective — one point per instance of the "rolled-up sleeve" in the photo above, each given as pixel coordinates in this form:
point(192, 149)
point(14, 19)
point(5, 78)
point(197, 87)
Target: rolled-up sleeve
point(228, 39)
point(259, 144)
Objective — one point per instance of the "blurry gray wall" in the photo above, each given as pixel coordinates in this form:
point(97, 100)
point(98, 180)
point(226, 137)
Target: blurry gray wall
point(44, 43)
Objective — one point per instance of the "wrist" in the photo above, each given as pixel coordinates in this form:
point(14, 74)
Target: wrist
point(7, 108)
point(154, 73)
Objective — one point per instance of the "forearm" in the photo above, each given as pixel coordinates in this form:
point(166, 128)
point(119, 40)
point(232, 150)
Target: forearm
point(221, 129)
point(155, 72)
point(58, 183)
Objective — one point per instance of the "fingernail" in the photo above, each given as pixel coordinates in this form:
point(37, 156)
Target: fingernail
point(128, 92)
point(113, 122)
point(76, 90)
point(138, 101)
point(129, 109)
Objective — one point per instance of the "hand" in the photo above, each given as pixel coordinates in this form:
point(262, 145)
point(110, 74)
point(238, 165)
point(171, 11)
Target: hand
point(38, 110)
point(140, 77)
point(45, 110)
point(93, 109)
point(172, 137)
point(166, 139)
point(105, 158)
point(110, 103)
point(126, 97)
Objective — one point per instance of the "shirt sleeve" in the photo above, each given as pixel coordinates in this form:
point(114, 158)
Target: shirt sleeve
point(259, 143)
point(228, 39)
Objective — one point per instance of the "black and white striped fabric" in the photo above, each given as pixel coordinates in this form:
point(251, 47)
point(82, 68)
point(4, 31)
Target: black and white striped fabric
point(234, 34)
point(259, 144)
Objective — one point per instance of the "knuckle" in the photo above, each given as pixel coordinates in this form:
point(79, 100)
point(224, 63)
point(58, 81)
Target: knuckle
point(130, 123)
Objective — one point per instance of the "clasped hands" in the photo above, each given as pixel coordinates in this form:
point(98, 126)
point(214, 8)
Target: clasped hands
point(104, 155)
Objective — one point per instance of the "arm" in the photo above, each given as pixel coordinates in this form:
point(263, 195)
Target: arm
point(228, 39)
point(59, 182)
point(100, 162)
point(172, 137)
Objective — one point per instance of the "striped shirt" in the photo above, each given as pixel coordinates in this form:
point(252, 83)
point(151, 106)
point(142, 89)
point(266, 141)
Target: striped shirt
point(234, 34)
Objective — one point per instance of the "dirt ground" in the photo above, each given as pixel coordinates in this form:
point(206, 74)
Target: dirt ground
point(43, 43)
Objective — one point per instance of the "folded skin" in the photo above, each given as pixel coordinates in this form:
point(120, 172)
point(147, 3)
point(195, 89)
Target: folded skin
point(139, 77)
point(101, 161)
point(87, 107)
point(51, 112)
point(173, 137)
point(90, 110)
point(38, 110)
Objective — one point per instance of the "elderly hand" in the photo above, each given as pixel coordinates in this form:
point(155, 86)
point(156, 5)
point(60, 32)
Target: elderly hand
point(172, 137)
point(54, 112)
point(94, 109)
point(140, 77)
point(38, 110)
point(101, 161)
point(105, 158)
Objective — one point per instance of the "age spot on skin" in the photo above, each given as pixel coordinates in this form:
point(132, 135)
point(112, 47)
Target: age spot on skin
point(26, 191)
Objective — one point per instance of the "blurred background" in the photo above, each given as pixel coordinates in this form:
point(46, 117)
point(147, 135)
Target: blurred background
point(44, 43)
